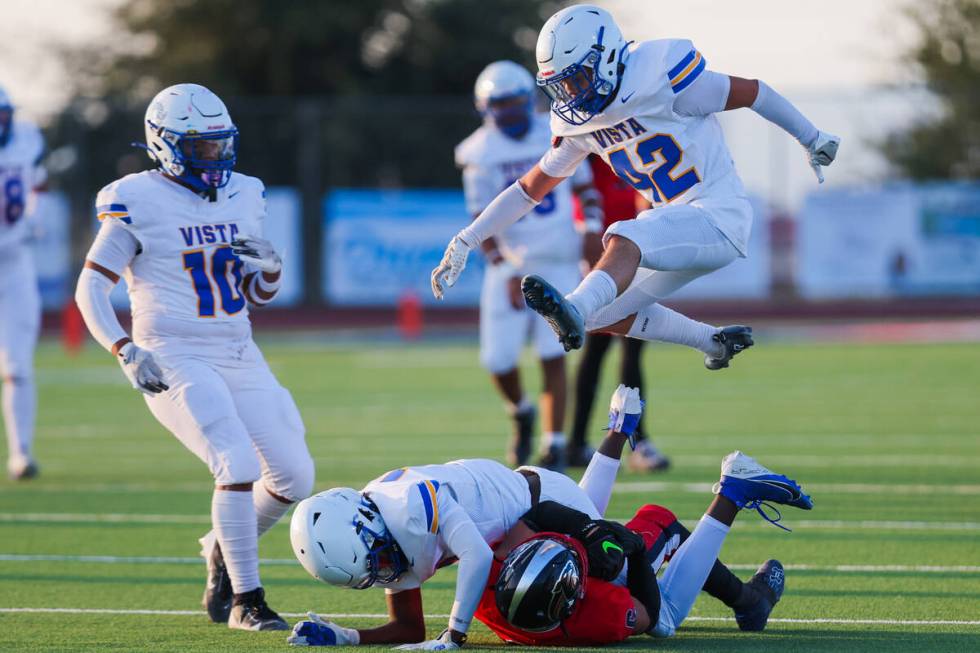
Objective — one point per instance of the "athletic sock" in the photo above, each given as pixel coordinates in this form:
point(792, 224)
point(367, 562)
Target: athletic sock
point(268, 509)
point(520, 407)
point(19, 409)
point(657, 322)
point(552, 439)
point(233, 516)
point(687, 572)
point(728, 588)
point(596, 290)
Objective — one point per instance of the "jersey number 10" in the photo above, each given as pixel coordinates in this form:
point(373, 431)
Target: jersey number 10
point(232, 300)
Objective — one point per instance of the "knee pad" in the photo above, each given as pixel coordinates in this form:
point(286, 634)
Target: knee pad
point(234, 463)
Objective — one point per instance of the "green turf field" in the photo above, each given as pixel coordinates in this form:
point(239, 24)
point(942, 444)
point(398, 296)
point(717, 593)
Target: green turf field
point(886, 438)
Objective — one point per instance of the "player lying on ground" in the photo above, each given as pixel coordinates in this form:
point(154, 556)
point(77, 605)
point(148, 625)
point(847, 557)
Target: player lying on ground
point(510, 141)
point(406, 524)
point(586, 582)
point(187, 239)
point(21, 177)
point(720, 583)
point(648, 111)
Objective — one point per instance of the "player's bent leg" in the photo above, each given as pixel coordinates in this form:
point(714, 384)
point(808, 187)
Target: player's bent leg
point(548, 302)
point(552, 402)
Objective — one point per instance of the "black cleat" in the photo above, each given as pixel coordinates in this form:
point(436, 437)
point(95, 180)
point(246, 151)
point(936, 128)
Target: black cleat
point(25, 473)
point(217, 593)
point(520, 450)
point(564, 318)
point(554, 458)
point(249, 611)
point(734, 339)
point(769, 583)
point(579, 456)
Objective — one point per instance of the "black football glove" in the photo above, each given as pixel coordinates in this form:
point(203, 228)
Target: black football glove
point(607, 545)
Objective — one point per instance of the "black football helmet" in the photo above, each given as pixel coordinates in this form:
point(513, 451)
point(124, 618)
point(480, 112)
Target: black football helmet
point(540, 583)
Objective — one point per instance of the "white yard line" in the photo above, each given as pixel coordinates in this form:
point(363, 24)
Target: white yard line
point(816, 524)
point(355, 615)
point(193, 560)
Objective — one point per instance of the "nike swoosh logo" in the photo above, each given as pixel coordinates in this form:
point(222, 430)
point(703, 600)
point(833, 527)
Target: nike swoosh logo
point(606, 545)
point(230, 195)
point(623, 99)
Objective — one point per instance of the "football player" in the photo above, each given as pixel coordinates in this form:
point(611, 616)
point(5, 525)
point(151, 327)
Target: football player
point(406, 524)
point(21, 177)
point(648, 110)
point(187, 239)
point(545, 242)
point(586, 582)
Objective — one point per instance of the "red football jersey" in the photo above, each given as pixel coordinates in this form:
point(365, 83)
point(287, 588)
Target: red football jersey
point(606, 613)
point(618, 197)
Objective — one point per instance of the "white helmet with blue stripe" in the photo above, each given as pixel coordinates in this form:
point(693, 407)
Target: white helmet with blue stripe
point(503, 95)
point(191, 136)
point(340, 538)
point(581, 54)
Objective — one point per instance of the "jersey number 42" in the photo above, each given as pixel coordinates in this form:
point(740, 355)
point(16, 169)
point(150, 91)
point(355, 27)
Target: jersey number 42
point(658, 155)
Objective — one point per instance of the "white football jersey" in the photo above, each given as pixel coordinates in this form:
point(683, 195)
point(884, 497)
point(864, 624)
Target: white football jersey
point(409, 499)
point(184, 276)
point(20, 174)
point(667, 157)
point(492, 161)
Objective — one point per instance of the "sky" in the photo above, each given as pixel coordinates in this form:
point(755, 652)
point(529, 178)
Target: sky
point(831, 58)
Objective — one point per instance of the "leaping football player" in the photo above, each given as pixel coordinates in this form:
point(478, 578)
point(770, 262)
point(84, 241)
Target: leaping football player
point(21, 178)
point(648, 111)
point(187, 237)
point(545, 242)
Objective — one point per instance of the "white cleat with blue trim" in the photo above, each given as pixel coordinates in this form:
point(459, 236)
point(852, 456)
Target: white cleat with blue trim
point(750, 485)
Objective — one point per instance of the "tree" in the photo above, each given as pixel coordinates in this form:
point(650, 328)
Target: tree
point(948, 56)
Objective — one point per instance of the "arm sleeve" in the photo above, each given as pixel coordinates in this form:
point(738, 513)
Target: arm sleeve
point(555, 517)
point(463, 539)
point(598, 480)
point(113, 249)
point(563, 157)
point(778, 110)
point(509, 206)
point(706, 95)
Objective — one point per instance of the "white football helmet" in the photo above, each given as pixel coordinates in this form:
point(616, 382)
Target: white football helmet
point(191, 136)
point(340, 538)
point(6, 117)
point(581, 54)
point(503, 95)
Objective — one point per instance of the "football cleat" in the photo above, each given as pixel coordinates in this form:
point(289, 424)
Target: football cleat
point(23, 472)
point(563, 317)
point(520, 450)
point(579, 456)
point(748, 484)
point(553, 458)
point(734, 340)
point(217, 591)
point(768, 583)
point(647, 458)
point(249, 611)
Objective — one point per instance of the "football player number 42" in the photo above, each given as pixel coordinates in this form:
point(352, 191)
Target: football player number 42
point(663, 152)
point(205, 275)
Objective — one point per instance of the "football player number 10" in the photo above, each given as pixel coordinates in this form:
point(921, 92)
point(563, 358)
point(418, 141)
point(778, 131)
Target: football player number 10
point(662, 151)
point(202, 275)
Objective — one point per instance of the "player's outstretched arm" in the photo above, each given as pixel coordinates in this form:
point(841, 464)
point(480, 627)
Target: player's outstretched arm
point(511, 205)
point(625, 410)
point(712, 92)
point(406, 623)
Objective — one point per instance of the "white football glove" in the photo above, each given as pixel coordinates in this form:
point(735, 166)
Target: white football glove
point(257, 252)
point(316, 631)
point(141, 370)
point(443, 642)
point(822, 152)
point(625, 411)
point(448, 271)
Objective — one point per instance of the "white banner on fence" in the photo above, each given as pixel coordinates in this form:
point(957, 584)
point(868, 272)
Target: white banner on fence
point(381, 245)
point(900, 240)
